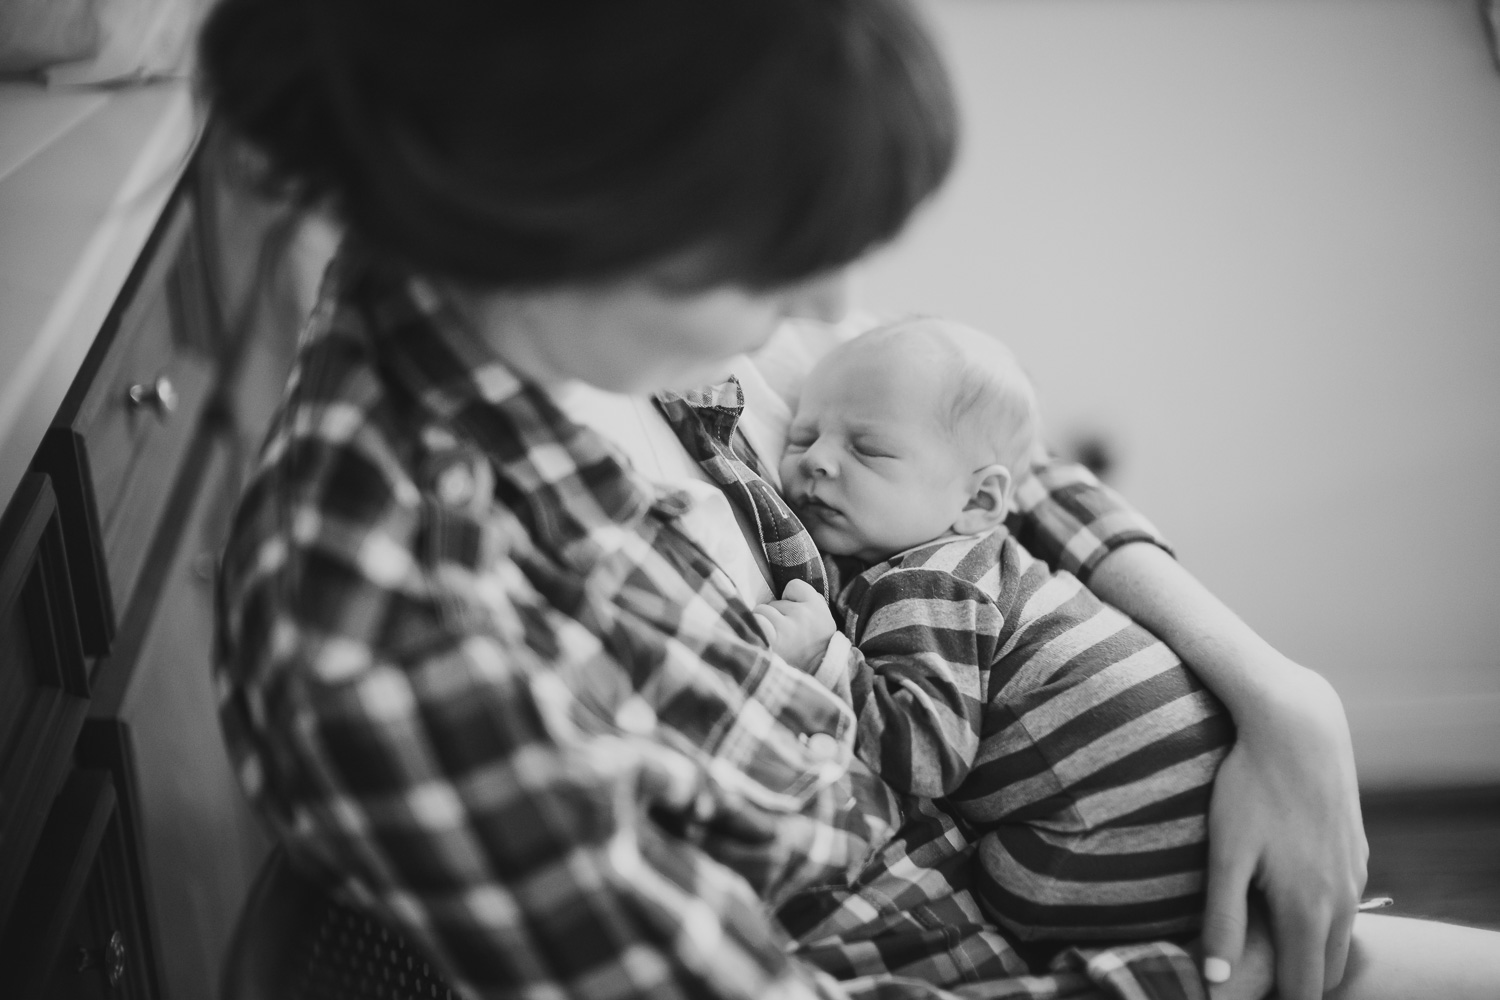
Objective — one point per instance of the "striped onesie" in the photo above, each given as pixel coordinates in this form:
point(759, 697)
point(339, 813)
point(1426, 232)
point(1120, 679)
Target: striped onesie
point(1076, 743)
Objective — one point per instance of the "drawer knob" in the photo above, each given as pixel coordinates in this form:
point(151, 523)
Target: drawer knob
point(159, 395)
point(110, 959)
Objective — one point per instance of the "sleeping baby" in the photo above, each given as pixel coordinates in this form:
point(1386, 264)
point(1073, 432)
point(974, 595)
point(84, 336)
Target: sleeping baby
point(984, 677)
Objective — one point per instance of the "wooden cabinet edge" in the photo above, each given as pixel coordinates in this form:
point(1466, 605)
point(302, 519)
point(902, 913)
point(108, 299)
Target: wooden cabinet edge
point(34, 572)
point(64, 456)
point(55, 879)
point(105, 745)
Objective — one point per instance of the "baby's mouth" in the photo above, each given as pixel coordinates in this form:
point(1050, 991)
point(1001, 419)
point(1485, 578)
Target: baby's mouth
point(811, 508)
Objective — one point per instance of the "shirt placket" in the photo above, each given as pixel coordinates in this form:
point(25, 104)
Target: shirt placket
point(707, 424)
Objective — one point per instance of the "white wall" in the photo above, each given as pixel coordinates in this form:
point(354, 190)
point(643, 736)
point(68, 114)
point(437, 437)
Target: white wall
point(1257, 244)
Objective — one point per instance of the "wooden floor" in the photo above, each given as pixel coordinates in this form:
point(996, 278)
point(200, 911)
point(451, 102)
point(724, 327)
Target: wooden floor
point(1437, 853)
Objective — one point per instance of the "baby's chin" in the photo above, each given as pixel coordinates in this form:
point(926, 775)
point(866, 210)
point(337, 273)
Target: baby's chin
point(832, 542)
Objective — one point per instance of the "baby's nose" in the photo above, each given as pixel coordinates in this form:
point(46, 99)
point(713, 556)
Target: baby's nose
point(818, 462)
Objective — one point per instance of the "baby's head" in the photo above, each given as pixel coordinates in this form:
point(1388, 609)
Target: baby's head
point(910, 432)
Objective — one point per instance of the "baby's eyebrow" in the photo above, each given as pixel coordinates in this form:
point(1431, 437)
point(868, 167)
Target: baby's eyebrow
point(872, 438)
point(870, 428)
point(800, 430)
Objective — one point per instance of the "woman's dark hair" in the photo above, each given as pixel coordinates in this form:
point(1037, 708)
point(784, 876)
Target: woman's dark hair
point(515, 143)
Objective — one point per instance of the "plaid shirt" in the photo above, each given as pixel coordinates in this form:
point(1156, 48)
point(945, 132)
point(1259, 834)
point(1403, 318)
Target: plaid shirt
point(471, 669)
point(1029, 703)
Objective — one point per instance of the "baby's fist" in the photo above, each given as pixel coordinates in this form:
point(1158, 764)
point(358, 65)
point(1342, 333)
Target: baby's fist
point(799, 625)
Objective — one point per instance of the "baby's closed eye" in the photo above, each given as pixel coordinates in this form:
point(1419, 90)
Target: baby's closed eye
point(869, 448)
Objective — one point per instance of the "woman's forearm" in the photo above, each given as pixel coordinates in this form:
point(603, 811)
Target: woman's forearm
point(1231, 659)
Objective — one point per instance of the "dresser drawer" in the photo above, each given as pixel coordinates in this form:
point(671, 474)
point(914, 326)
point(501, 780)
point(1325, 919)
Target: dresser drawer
point(84, 935)
point(119, 440)
point(43, 680)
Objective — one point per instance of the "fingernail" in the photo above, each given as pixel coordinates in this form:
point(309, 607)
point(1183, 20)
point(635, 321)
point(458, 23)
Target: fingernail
point(1216, 970)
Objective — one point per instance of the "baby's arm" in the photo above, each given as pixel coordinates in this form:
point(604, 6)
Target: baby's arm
point(925, 641)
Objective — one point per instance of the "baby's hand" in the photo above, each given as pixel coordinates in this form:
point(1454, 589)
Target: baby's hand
point(799, 625)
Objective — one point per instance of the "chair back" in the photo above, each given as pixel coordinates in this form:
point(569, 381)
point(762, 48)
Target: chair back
point(294, 941)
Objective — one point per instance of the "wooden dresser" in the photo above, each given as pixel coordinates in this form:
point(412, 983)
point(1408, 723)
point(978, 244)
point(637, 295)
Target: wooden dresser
point(126, 847)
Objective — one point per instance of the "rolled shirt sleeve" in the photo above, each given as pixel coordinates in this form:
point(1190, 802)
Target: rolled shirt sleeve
point(1065, 516)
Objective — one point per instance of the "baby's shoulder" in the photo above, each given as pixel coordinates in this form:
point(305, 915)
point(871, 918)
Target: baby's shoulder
point(969, 559)
point(986, 566)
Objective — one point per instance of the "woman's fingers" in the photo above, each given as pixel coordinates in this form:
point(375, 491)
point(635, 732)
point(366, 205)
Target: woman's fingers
point(1285, 804)
point(1225, 917)
point(1301, 933)
point(1336, 957)
point(1255, 973)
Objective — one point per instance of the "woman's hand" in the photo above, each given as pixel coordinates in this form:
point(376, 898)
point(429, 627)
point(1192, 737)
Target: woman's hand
point(1285, 818)
point(798, 626)
point(1255, 973)
point(1285, 810)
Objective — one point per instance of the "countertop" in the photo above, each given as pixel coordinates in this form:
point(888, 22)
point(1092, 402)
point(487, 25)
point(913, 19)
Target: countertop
point(84, 175)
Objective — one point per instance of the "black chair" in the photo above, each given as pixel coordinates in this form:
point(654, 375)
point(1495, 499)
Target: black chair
point(295, 942)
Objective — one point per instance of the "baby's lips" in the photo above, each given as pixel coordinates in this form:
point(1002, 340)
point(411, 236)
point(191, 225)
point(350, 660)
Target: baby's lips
point(824, 509)
point(810, 507)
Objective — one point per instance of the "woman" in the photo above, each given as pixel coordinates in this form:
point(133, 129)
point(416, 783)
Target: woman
point(505, 688)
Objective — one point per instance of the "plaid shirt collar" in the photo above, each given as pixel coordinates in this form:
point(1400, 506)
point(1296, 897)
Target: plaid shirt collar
point(706, 421)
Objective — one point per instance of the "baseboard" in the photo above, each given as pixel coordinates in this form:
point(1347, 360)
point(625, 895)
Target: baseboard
point(1436, 804)
point(1450, 742)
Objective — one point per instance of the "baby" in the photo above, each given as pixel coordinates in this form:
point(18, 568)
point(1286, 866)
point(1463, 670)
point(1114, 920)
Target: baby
point(985, 677)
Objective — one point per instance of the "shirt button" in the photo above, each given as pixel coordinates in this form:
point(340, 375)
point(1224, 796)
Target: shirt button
point(821, 746)
point(455, 486)
point(636, 717)
point(673, 503)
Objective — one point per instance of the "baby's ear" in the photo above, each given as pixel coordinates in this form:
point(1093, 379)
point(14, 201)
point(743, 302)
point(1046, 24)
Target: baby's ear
point(989, 491)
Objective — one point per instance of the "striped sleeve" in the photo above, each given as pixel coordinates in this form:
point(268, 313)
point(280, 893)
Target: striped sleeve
point(925, 640)
point(1064, 515)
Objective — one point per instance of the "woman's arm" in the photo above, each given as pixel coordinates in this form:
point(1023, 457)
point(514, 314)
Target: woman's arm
point(1285, 812)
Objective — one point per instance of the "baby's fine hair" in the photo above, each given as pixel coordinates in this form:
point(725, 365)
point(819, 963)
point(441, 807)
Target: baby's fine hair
point(989, 404)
